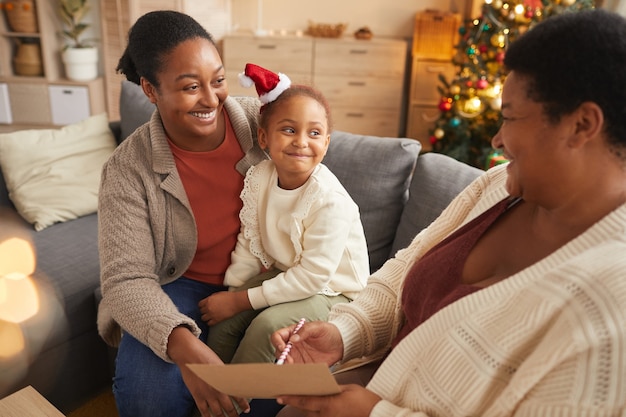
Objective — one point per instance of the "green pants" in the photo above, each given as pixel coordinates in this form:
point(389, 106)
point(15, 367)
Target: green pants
point(245, 337)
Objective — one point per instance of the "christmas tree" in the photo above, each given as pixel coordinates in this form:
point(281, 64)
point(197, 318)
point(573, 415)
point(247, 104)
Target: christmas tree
point(470, 103)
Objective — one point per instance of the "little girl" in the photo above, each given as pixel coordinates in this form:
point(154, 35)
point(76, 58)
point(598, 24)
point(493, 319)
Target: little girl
point(301, 248)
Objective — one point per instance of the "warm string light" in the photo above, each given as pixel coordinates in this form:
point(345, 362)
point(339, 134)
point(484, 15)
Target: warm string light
point(18, 296)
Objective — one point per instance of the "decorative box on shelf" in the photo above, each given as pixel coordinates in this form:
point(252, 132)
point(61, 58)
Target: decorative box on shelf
point(435, 33)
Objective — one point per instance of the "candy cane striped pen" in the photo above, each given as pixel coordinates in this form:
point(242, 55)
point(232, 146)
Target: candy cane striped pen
point(285, 352)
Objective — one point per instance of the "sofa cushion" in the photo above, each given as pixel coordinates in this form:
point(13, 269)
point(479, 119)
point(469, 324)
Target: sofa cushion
point(436, 181)
point(376, 172)
point(53, 175)
point(135, 108)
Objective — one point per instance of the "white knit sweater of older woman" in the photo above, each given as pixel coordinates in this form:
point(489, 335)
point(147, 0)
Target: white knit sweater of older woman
point(548, 341)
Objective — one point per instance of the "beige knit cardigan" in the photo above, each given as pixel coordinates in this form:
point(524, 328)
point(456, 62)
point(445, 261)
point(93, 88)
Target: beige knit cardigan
point(146, 230)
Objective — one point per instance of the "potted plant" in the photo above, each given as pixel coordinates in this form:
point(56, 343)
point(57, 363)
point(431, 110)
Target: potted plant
point(79, 55)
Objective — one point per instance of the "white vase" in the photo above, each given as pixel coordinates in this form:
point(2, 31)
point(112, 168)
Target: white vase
point(81, 64)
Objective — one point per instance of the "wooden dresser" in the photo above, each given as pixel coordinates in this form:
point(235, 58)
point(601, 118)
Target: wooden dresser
point(435, 35)
point(362, 80)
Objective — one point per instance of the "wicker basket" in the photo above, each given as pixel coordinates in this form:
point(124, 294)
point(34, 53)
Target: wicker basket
point(21, 15)
point(323, 30)
point(27, 60)
point(435, 34)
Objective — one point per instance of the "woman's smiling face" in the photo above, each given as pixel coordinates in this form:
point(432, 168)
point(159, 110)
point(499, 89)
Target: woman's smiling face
point(191, 93)
point(535, 146)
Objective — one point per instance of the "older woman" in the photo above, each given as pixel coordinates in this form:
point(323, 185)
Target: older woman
point(513, 302)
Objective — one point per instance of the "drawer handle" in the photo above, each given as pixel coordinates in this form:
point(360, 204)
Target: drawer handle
point(267, 46)
point(67, 92)
point(359, 115)
point(358, 51)
point(357, 83)
point(429, 119)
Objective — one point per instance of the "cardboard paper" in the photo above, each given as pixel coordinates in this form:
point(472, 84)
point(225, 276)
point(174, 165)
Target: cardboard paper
point(267, 380)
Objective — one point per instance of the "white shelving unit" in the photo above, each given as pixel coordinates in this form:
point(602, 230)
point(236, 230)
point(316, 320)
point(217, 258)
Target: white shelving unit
point(28, 101)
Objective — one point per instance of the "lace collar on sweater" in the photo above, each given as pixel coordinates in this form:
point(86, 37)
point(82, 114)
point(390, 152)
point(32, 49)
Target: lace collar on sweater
point(258, 182)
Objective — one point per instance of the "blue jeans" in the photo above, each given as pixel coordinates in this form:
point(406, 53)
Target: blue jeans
point(145, 385)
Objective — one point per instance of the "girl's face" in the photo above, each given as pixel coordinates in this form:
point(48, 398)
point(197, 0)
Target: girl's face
point(191, 95)
point(296, 138)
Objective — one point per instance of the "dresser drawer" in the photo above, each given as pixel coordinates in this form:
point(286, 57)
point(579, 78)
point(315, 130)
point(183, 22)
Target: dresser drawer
point(425, 76)
point(361, 92)
point(386, 58)
point(375, 122)
point(286, 55)
point(420, 120)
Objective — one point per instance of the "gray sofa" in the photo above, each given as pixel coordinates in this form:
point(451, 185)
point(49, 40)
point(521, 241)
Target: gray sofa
point(398, 194)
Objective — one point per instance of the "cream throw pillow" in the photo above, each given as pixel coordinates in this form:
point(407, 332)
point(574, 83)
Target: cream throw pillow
point(53, 175)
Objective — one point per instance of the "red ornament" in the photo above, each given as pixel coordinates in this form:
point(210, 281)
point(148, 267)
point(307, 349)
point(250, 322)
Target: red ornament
point(538, 4)
point(469, 83)
point(445, 104)
point(432, 140)
point(500, 57)
point(481, 84)
point(483, 48)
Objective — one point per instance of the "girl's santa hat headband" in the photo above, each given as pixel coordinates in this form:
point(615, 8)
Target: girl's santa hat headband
point(268, 84)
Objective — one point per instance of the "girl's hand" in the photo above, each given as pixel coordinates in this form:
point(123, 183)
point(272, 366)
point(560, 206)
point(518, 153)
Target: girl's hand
point(315, 342)
point(352, 401)
point(223, 305)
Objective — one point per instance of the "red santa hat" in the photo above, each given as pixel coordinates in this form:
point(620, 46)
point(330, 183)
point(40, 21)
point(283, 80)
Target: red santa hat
point(268, 84)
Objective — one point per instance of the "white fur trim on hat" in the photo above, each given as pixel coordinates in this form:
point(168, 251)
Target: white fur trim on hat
point(283, 83)
point(245, 81)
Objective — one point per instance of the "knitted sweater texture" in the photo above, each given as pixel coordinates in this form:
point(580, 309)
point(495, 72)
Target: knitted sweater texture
point(327, 251)
point(547, 341)
point(146, 230)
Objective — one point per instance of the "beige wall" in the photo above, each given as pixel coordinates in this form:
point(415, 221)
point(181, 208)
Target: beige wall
point(386, 18)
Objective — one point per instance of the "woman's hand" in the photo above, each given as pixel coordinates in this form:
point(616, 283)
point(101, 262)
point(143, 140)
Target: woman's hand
point(223, 305)
point(315, 342)
point(183, 347)
point(352, 401)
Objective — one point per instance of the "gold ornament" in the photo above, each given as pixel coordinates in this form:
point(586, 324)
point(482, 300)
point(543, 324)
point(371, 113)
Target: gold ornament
point(438, 133)
point(470, 108)
point(498, 40)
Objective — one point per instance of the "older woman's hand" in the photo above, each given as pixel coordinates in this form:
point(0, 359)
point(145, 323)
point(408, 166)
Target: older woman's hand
point(352, 401)
point(315, 342)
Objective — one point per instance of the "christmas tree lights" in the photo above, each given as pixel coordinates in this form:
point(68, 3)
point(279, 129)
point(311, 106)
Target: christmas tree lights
point(470, 104)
